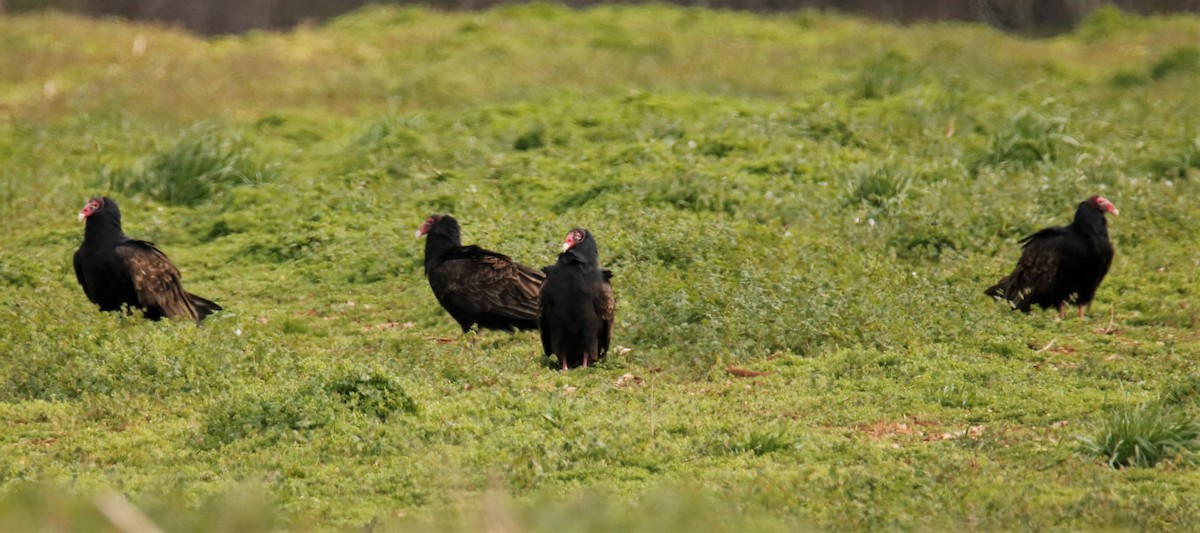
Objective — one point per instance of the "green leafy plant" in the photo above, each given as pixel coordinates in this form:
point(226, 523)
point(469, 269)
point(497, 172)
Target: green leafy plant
point(285, 414)
point(374, 393)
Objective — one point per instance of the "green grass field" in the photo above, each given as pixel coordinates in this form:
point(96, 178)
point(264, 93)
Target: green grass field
point(816, 199)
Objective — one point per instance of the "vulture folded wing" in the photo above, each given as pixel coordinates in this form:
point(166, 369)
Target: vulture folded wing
point(544, 320)
point(156, 280)
point(1108, 259)
point(492, 283)
point(1037, 270)
point(606, 309)
point(529, 280)
point(79, 275)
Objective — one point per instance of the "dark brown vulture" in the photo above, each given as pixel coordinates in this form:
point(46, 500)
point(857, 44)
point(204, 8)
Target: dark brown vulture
point(1062, 264)
point(478, 286)
point(117, 271)
point(576, 307)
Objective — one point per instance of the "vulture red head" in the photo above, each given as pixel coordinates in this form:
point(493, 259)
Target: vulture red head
point(91, 207)
point(429, 223)
point(575, 236)
point(1104, 205)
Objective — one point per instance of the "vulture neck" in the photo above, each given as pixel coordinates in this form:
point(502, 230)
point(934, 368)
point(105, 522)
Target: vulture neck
point(103, 226)
point(584, 253)
point(1091, 222)
point(440, 239)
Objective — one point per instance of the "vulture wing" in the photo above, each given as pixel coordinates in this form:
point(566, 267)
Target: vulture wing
point(606, 310)
point(1037, 271)
point(156, 280)
point(79, 274)
point(544, 319)
point(479, 281)
point(1108, 259)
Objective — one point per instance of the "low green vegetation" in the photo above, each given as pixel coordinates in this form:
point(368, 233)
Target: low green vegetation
point(801, 212)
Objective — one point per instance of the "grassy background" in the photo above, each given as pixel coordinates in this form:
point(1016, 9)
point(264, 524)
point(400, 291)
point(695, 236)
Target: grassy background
point(818, 199)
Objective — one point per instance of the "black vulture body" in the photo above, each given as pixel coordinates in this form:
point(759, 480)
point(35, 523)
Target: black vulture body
point(478, 286)
point(118, 272)
point(576, 308)
point(1062, 264)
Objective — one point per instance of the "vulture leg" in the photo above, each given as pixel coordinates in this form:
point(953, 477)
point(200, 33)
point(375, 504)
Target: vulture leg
point(466, 344)
point(1062, 310)
point(1081, 308)
point(563, 361)
point(473, 344)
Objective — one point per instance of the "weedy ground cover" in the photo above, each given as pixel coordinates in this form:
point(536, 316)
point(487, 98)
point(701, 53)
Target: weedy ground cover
point(801, 212)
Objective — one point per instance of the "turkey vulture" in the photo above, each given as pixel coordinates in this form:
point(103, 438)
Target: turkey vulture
point(116, 271)
point(1062, 264)
point(576, 306)
point(478, 286)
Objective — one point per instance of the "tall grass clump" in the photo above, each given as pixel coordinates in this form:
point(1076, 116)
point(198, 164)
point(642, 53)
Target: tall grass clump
point(1143, 435)
point(202, 164)
point(1028, 139)
point(762, 441)
point(884, 76)
point(878, 187)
